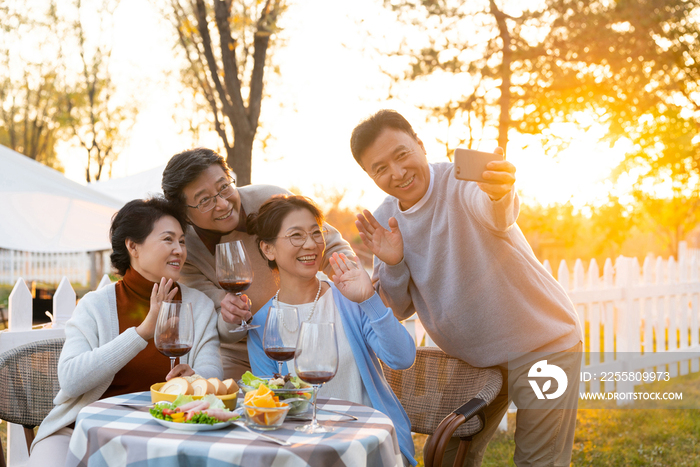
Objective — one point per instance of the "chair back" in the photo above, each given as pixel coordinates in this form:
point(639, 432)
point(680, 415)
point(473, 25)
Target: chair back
point(438, 384)
point(29, 381)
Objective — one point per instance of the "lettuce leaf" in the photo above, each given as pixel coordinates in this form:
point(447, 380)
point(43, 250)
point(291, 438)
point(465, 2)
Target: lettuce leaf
point(249, 379)
point(214, 402)
point(182, 400)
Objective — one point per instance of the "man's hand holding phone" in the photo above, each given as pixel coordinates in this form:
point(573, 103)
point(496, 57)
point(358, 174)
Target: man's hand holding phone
point(494, 175)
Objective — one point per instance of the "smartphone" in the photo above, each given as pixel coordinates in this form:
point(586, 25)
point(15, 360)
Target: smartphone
point(470, 164)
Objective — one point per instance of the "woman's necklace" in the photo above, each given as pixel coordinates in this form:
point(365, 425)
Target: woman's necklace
point(308, 317)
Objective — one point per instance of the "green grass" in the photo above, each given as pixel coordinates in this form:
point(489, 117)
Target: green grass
point(621, 437)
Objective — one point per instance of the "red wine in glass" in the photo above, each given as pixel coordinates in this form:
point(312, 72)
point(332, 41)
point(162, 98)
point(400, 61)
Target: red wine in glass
point(280, 354)
point(234, 272)
point(316, 377)
point(175, 350)
point(234, 287)
point(280, 334)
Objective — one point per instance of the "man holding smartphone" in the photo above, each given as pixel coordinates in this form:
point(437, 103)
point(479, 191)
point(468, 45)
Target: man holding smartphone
point(451, 251)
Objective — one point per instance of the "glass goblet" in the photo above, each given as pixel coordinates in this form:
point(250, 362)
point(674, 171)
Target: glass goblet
point(174, 334)
point(316, 362)
point(234, 272)
point(280, 335)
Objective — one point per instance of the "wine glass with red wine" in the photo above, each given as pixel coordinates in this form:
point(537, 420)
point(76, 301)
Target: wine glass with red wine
point(174, 333)
point(234, 272)
point(280, 336)
point(316, 362)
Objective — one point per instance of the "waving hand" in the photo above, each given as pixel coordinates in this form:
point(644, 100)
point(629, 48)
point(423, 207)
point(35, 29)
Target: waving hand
point(387, 245)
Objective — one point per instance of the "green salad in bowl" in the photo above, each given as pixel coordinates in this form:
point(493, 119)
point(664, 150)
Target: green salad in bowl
point(285, 387)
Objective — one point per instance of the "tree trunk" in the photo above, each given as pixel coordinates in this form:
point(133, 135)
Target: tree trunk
point(239, 158)
point(505, 72)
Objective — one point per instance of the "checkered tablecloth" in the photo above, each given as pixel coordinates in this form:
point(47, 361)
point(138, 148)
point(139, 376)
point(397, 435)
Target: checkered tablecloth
point(110, 435)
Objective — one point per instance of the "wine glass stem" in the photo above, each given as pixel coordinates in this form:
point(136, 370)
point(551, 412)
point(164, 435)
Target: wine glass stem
point(172, 363)
point(314, 423)
point(279, 367)
point(244, 323)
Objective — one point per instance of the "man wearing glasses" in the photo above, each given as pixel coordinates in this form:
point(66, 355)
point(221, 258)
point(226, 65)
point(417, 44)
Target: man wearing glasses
point(199, 181)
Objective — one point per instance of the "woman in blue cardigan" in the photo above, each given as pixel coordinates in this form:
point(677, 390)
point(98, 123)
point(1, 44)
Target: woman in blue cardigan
point(290, 237)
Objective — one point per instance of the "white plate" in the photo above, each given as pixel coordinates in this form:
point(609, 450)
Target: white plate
point(192, 426)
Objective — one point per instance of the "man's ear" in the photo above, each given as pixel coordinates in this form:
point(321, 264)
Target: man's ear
point(132, 247)
point(420, 143)
point(268, 250)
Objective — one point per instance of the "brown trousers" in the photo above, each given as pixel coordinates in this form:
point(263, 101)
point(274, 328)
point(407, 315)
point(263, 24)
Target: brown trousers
point(543, 437)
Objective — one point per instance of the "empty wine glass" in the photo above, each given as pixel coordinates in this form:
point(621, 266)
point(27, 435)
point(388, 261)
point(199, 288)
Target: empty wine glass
point(280, 336)
point(234, 272)
point(174, 333)
point(316, 362)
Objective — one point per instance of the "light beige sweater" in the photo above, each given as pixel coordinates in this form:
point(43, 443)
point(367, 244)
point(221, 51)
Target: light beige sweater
point(471, 276)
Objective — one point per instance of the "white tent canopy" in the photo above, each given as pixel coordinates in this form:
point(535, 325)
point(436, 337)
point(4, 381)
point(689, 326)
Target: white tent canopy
point(138, 186)
point(141, 185)
point(43, 211)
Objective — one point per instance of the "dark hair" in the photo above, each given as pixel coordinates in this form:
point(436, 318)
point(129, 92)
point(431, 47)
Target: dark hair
point(184, 168)
point(135, 221)
point(267, 222)
point(368, 130)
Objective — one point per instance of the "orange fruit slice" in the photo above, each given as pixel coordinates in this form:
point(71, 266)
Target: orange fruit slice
point(264, 398)
point(263, 401)
point(264, 391)
point(248, 397)
point(273, 417)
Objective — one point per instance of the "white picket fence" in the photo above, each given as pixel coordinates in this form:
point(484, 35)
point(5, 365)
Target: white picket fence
point(48, 268)
point(648, 316)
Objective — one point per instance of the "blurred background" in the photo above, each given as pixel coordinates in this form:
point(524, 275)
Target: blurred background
point(596, 103)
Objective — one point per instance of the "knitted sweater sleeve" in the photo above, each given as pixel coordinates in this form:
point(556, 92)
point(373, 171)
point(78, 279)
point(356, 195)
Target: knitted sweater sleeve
point(89, 357)
point(386, 336)
point(497, 216)
point(335, 243)
point(391, 282)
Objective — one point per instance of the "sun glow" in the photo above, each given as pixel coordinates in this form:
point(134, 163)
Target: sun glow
point(312, 109)
point(579, 173)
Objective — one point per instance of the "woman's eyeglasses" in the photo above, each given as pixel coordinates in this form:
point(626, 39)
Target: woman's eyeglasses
point(299, 238)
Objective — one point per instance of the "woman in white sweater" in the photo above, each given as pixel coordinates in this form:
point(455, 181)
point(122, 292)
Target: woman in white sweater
point(109, 348)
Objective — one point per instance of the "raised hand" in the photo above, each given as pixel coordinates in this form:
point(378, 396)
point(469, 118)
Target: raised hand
point(351, 278)
point(499, 176)
point(387, 245)
point(160, 293)
point(235, 308)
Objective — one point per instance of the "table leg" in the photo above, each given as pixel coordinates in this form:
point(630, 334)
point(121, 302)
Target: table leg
point(17, 455)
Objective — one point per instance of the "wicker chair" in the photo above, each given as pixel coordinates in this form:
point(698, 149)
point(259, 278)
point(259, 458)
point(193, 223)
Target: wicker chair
point(28, 385)
point(444, 397)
